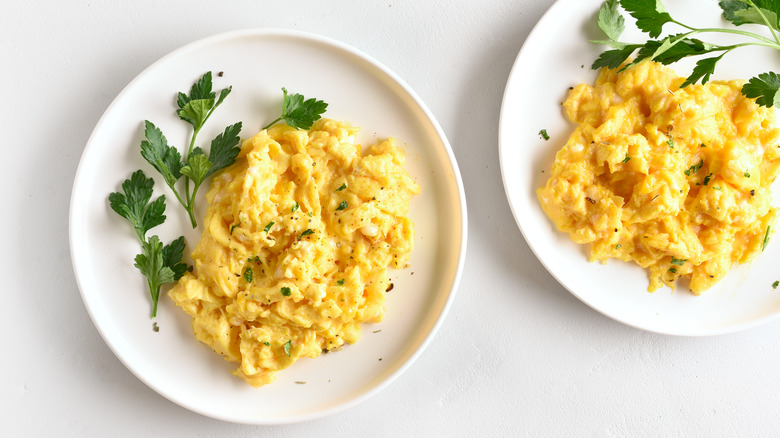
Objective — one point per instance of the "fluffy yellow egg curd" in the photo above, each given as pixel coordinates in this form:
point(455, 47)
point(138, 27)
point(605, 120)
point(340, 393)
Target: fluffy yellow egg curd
point(675, 179)
point(299, 234)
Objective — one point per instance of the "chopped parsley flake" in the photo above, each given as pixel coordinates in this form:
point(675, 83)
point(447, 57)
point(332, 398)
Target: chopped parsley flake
point(747, 175)
point(340, 282)
point(618, 246)
point(306, 233)
point(625, 160)
point(287, 347)
point(678, 262)
point(670, 142)
point(673, 270)
point(766, 238)
point(342, 187)
point(544, 134)
point(295, 207)
point(695, 168)
point(707, 179)
point(342, 206)
point(268, 227)
point(286, 291)
point(232, 227)
point(775, 284)
point(248, 275)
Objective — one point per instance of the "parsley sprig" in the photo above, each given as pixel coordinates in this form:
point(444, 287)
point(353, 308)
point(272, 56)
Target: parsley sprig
point(195, 166)
point(651, 16)
point(299, 112)
point(159, 263)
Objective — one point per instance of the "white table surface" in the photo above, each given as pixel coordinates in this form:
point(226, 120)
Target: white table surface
point(517, 355)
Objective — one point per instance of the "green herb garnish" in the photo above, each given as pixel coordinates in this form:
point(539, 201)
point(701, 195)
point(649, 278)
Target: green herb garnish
point(340, 282)
point(341, 187)
point(248, 275)
point(195, 108)
point(286, 291)
point(625, 160)
point(159, 263)
point(295, 207)
point(287, 347)
point(299, 112)
point(308, 231)
point(268, 227)
point(707, 179)
point(544, 134)
point(775, 284)
point(695, 168)
point(766, 238)
point(342, 206)
point(651, 16)
point(678, 262)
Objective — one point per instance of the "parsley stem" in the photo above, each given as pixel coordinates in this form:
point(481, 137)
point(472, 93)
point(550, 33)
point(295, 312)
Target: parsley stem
point(155, 293)
point(694, 30)
point(272, 123)
point(766, 21)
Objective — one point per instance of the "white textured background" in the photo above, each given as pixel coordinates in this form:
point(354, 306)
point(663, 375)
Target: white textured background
point(517, 354)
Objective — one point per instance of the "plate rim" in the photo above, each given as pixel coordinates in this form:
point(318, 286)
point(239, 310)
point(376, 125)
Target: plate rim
point(460, 219)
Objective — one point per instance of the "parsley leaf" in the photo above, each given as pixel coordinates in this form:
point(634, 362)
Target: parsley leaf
point(196, 108)
point(287, 347)
point(286, 291)
point(172, 254)
point(704, 68)
point(764, 89)
point(650, 15)
point(248, 274)
point(299, 112)
point(197, 167)
point(224, 148)
point(159, 265)
point(155, 149)
point(134, 205)
point(740, 12)
point(342, 206)
point(610, 21)
point(614, 58)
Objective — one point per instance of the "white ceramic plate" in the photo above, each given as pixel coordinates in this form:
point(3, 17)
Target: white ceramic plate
point(258, 63)
point(555, 56)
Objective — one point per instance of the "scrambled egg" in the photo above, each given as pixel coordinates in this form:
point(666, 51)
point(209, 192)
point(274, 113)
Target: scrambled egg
point(298, 236)
point(675, 179)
